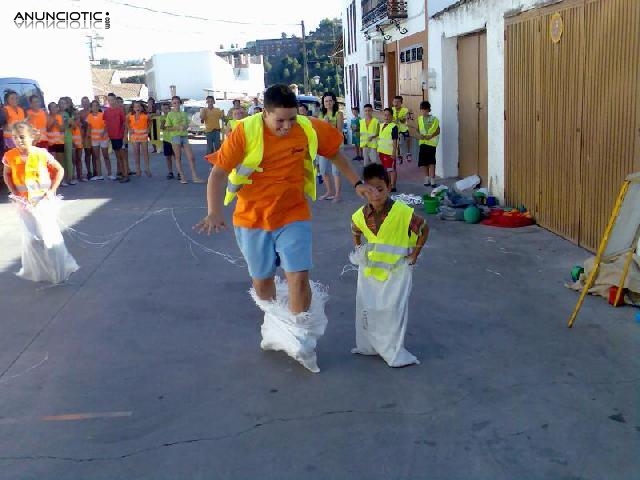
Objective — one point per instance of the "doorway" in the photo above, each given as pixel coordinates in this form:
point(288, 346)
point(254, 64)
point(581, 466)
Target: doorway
point(472, 106)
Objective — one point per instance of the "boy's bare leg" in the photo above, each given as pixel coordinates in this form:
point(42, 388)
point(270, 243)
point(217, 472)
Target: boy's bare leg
point(265, 288)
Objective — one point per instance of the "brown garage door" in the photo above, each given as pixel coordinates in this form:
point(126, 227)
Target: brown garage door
point(572, 100)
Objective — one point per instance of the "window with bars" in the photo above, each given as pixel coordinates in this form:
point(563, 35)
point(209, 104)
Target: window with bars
point(376, 75)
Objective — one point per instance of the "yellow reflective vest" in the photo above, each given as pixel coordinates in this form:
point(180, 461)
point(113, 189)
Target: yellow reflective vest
point(385, 138)
point(254, 150)
point(429, 128)
point(401, 114)
point(387, 249)
point(370, 131)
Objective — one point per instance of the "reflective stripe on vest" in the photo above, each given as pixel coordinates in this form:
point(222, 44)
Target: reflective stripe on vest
point(76, 136)
point(428, 130)
point(98, 127)
point(56, 135)
point(366, 132)
point(401, 114)
point(386, 249)
point(254, 140)
point(385, 139)
point(139, 129)
point(30, 177)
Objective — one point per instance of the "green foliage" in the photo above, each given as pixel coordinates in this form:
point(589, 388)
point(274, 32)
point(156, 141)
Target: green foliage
point(320, 43)
point(134, 79)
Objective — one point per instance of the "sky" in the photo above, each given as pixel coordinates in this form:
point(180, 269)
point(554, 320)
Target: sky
point(138, 29)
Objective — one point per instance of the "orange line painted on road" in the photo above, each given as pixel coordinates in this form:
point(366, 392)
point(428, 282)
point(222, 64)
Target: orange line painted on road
point(84, 416)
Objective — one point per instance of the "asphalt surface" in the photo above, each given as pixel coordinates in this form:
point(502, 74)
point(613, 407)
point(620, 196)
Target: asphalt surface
point(147, 365)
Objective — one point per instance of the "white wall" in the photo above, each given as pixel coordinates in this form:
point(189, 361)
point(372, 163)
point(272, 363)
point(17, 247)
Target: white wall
point(442, 33)
point(190, 72)
point(194, 72)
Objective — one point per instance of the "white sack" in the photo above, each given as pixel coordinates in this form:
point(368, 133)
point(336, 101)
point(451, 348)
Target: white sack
point(296, 335)
point(44, 255)
point(382, 313)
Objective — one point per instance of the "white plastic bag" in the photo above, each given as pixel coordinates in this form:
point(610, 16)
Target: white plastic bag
point(467, 183)
point(44, 255)
point(296, 335)
point(382, 313)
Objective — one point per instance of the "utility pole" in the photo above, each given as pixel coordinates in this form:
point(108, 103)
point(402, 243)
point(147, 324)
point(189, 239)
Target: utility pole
point(305, 67)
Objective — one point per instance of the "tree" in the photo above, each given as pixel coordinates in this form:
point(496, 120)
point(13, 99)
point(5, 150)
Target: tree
point(283, 35)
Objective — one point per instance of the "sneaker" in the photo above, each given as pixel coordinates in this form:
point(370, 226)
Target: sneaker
point(84, 179)
point(112, 177)
point(400, 159)
point(179, 177)
point(73, 182)
point(170, 176)
point(64, 184)
point(96, 178)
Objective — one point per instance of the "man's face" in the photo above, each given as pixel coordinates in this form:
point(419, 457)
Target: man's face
point(210, 102)
point(387, 116)
point(165, 108)
point(236, 104)
point(280, 120)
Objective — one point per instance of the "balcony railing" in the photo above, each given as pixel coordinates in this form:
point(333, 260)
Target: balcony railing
point(374, 11)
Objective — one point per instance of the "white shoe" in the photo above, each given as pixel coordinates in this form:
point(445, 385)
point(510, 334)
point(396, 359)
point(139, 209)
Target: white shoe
point(97, 177)
point(112, 177)
point(64, 184)
point(73, 182)
point(83, 179)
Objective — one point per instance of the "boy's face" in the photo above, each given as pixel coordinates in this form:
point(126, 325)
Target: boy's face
point(280, 120)
point(387, 116)
point(355, 112)
point(397, 102)
point(425, 111)
point(382, 190)
point(368, 112)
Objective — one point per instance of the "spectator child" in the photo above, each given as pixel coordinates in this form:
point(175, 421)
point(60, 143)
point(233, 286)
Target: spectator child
point(355, 132)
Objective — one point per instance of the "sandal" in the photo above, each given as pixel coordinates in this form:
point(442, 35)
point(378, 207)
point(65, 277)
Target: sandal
point(329, 197)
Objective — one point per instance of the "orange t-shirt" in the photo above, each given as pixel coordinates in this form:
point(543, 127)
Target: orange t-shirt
point(276, 196)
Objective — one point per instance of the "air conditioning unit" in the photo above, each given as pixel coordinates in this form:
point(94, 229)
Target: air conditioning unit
point(375, 51)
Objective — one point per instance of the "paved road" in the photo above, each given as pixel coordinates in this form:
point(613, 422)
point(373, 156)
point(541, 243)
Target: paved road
point(147, 366)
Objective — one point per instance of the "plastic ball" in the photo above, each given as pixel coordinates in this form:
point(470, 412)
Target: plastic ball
point(472, 214)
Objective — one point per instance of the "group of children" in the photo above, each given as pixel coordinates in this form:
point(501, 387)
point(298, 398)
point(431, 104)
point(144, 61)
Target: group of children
point(95, 130)
point(382, 143)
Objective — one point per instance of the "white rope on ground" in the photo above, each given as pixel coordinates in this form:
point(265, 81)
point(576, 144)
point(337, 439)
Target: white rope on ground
point(112, 237)
point(237, 261)
point(407, 198)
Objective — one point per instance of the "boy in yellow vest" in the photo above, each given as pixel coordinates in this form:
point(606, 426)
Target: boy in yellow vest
point(369, 127)
point(400, 116)
point(267, 163)
point(395, 235)
point(388, 146)
point(428, 135)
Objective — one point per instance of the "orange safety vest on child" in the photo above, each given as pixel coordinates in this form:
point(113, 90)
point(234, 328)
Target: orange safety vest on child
point(38, 120)
point(55, 135)
point(30, 176)
point(138, 127)
point(98, 127)
point(76, 135)
point(14, 115)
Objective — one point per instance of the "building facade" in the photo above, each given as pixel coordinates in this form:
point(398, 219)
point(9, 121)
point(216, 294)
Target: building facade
point(533, 99)
point(384, 51)
point(198, 74)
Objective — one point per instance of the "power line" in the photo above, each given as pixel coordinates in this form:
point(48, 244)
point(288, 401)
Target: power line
point(193, 17)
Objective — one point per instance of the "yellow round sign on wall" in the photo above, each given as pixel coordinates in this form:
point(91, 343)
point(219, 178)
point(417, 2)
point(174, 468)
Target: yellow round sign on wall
point(556, 27)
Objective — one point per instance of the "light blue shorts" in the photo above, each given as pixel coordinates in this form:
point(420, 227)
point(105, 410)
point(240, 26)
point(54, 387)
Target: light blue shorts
point(326, 166)
point(264, 251)
point(180, 139)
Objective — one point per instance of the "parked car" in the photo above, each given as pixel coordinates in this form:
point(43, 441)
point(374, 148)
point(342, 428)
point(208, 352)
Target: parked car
point(310, 101)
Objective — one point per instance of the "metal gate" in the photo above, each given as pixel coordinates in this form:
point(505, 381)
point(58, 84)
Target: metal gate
point(572, 112)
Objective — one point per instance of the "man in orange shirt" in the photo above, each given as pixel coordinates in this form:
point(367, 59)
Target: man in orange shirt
point(272, 216)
